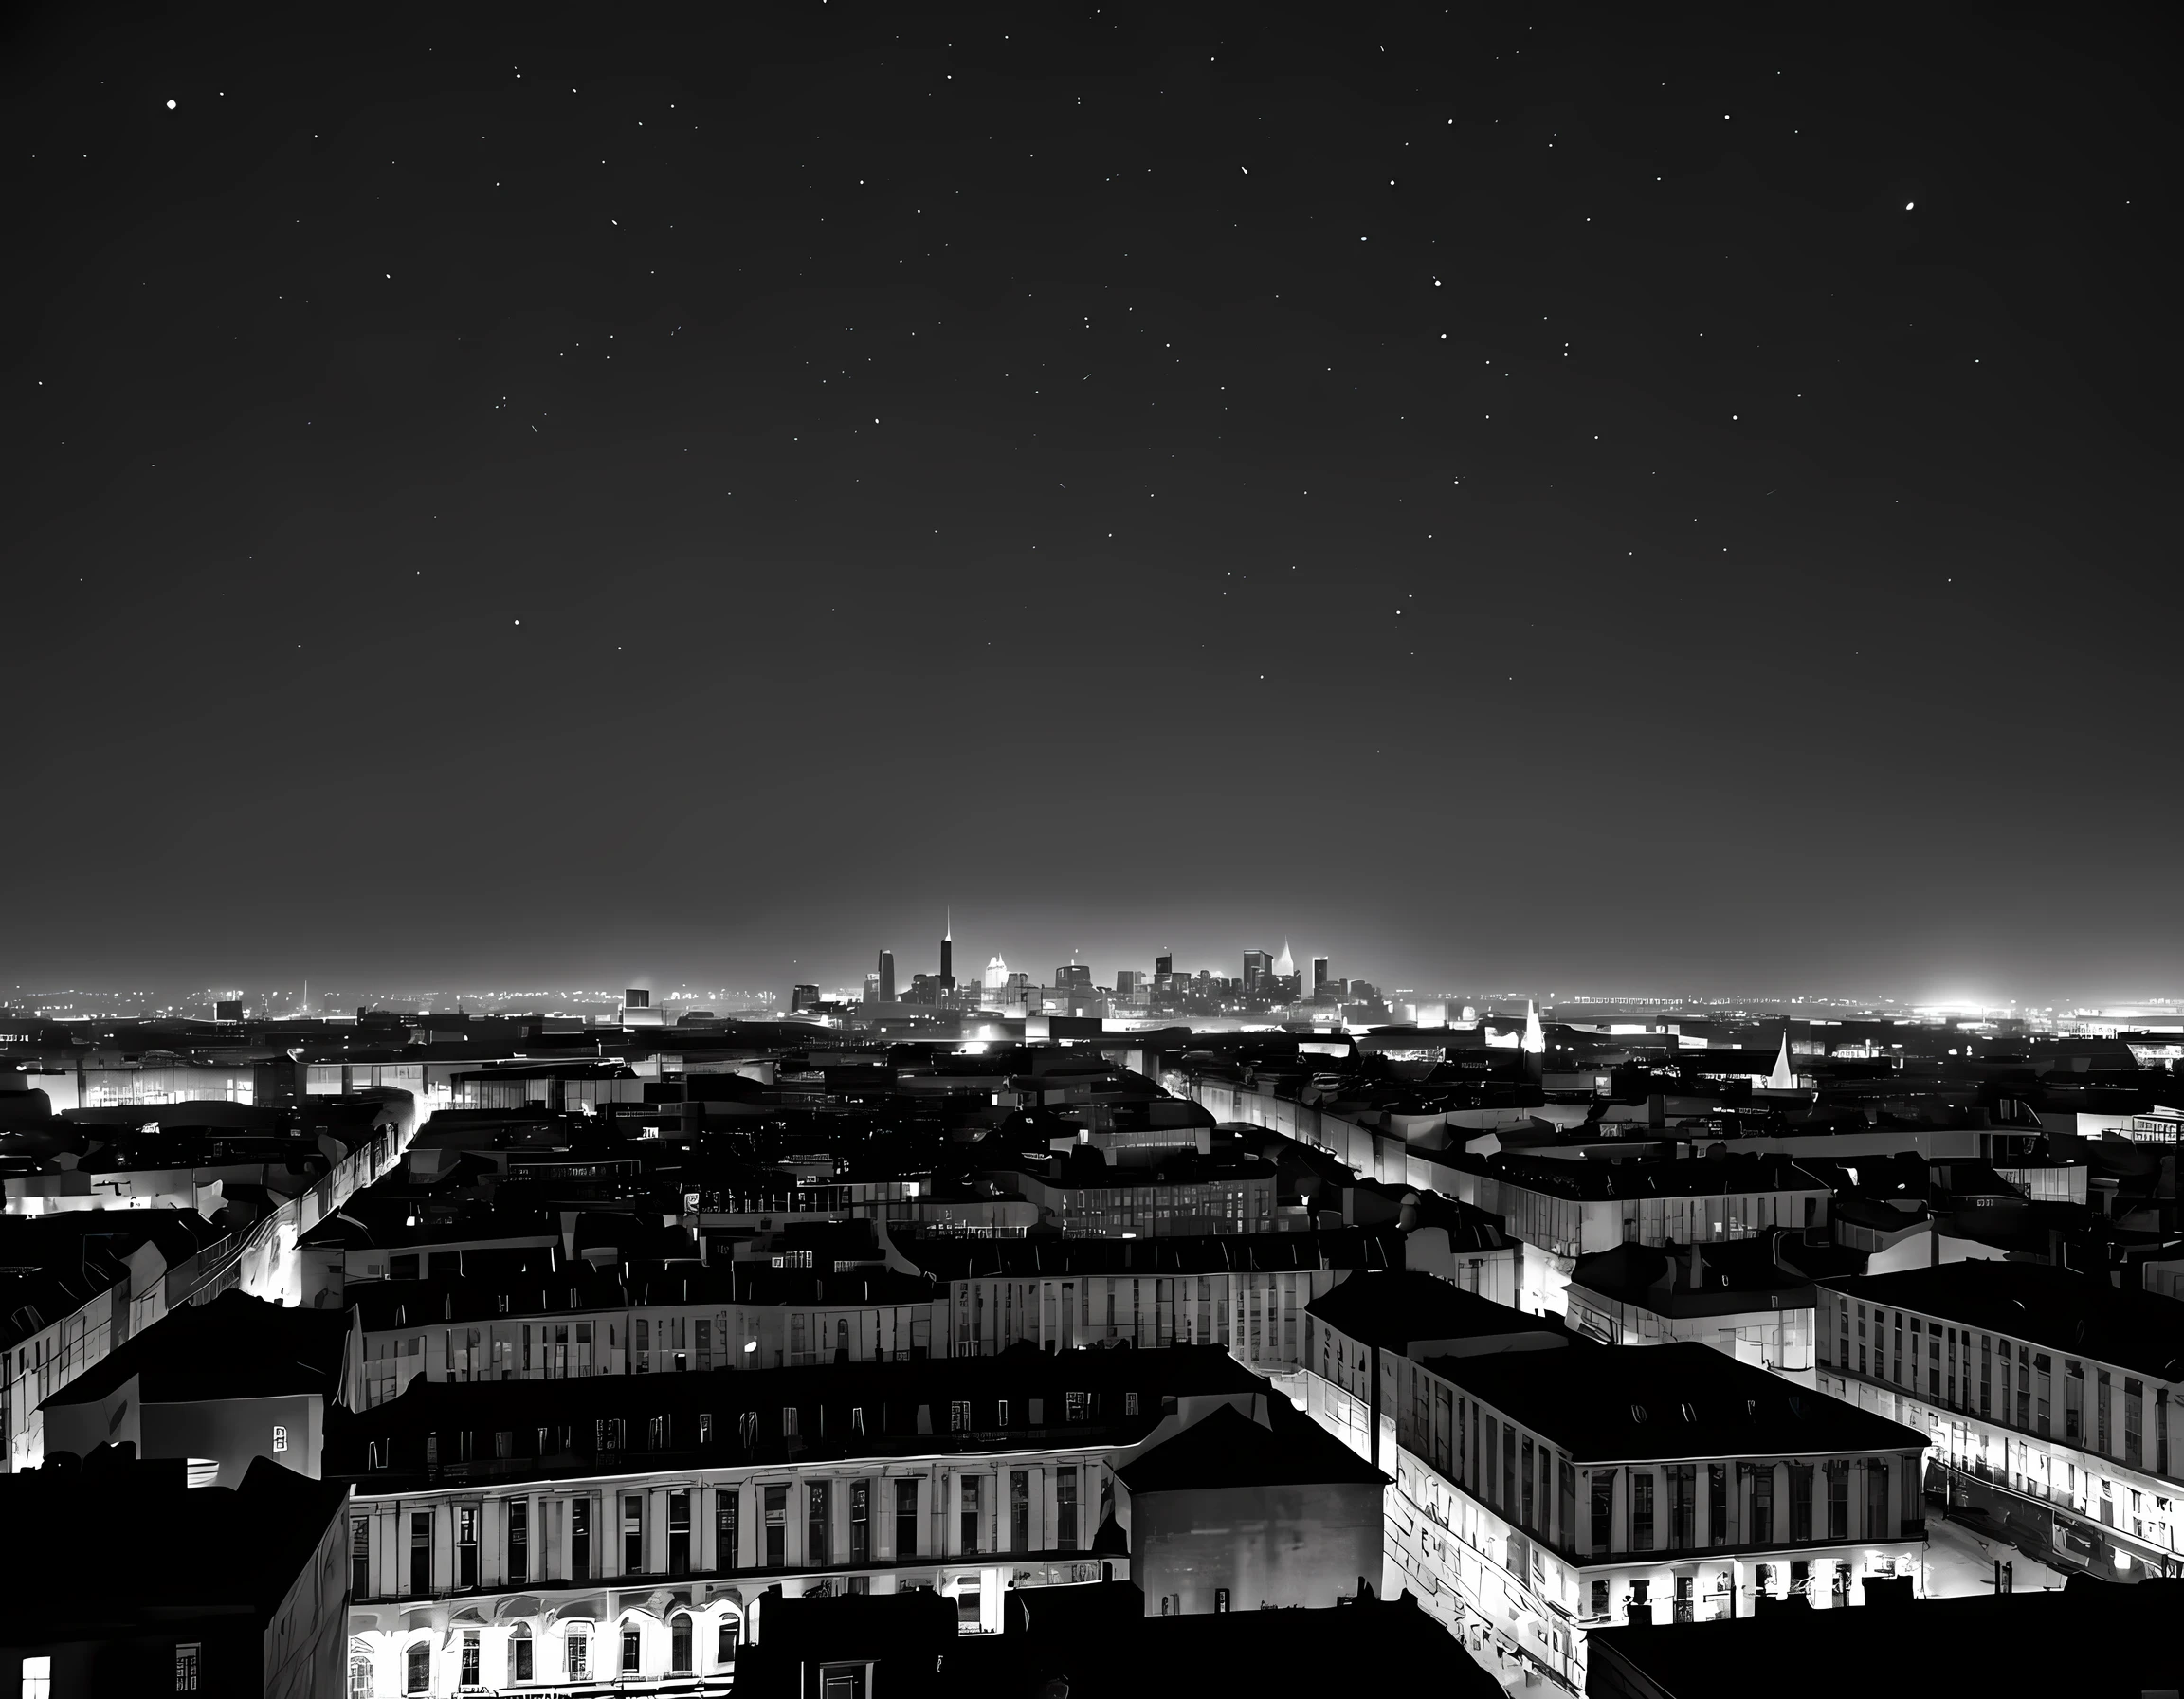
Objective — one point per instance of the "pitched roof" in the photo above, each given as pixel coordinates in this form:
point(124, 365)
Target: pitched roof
point(1227, 1449)
point(236, 1346)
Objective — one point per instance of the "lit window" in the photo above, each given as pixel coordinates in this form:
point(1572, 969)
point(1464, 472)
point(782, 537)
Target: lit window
point(279, 1438)
point(579, 1646)
point(188, 1654)
point(632, 1651)
point(37, 1678)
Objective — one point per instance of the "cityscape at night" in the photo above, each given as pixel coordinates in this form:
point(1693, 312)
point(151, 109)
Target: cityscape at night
point(899, 852)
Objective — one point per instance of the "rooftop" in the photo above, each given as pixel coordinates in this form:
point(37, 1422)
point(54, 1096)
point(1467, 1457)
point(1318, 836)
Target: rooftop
point(2044, 1304)
point(1685, 1399)
point(1227, 1449)
point(1662, 1177)
point(236, 1346)
point(1393, 1310)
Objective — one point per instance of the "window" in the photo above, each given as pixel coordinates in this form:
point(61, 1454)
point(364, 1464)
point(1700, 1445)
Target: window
point(466, 1545)
point(1020, 1509)
point(777, 1528)
point(1641, 1511)
point(1763, 1504)
point(579, 1539)
point(860, 1522)
point(905, 1519)
point(520, 1667)
point(417, 1669)
point(727, 1529)
point(1066, 1509)
point(632, 1533)
point(471, 1666)
point(2101, 1390)
point(1800, 1502)
point(188, 1660)
point(970, 1517)
point(1683, 1480)
point(1566, 1500)
point(2073, 1400)
point(518, 1515)
point(842, 1681)
point(2134, 1420)
point(1598, 1606)
point(577, 1649)
point(360, 1682)
point(420, 1552)
point(959, 1415)
point(679, 1532)
point(280, 1438)
point(38, 1678)
point(679, 1640)
point(1986, 1373)
point(1603, 1512)
point(632, 1651)
point(1838, 1498)
point(818, 1524)
point(1877, 1526)
point(730, 1637)
point(1717, 1504)
point(359, 1557)
point(1077, 1406)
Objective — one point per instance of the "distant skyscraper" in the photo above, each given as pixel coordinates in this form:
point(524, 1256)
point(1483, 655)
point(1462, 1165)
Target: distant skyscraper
point(1318, 974)
point(871, 988)
point(887, 976)
point(1164, 964)
point(803, 996)
point(948, 952)
point(997, 974)
point(1285, 964)
point(1258, 969)
point(1076, 976)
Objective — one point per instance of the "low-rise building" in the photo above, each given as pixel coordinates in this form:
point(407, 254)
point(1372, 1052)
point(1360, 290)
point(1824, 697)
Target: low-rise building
point(2050, 1400)
point(1238, 1514)
point(1354, 1333)
point(615, 1530)
point(117, 1578)
point(216, 1385)
point(1246, 1293)
point(1539, 1494)
point(1564, 1209)
point(1746, 1297)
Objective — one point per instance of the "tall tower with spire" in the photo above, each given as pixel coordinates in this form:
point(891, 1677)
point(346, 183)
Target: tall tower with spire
point(948, 949)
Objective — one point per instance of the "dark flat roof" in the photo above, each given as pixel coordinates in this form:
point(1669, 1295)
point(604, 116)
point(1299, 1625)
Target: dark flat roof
point(236, 1346)
point(2043, 1305)
point(2094, 1638)
point(1617, 1402)
point(1391, 1310)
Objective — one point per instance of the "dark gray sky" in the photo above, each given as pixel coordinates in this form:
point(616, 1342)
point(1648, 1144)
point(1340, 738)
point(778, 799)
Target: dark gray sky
point(1521, 498)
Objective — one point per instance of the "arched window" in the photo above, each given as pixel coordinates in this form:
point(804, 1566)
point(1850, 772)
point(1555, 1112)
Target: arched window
point(418, 1668)
point(578, 1646)
point(520, 1665)
point(360, 1679)
point(678, 1645)
point(731, 1637)
point(632, 1648)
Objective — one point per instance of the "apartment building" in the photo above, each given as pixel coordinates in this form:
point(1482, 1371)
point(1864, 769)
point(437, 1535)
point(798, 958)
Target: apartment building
point(617, 1530)
point(1542, 1493)
point(2050, 1398)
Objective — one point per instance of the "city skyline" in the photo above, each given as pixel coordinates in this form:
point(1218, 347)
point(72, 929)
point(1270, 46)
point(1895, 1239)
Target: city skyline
point(1524, 499)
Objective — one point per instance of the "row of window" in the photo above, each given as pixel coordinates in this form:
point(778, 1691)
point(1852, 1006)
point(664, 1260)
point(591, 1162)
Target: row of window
point(520, 1564)
point(521, 1663)
point(2015, 1385)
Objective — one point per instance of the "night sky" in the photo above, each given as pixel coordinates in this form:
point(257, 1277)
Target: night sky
point(1521, 497)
